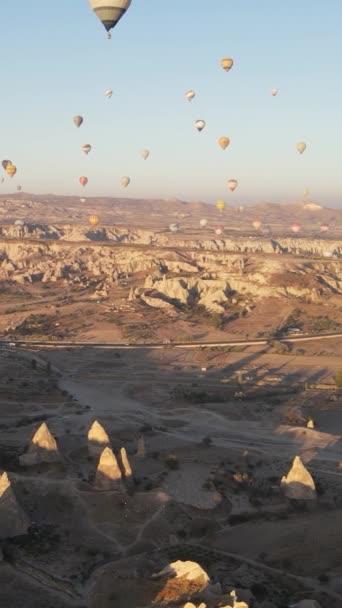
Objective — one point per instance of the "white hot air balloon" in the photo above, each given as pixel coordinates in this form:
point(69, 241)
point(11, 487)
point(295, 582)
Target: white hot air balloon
point(125, 181)
point(108, 93)
point(203, 223)
point(190, 95)
point(145, 154)
point(200, 124)
point(274, 92)
point(219, 230)
point(83, 200)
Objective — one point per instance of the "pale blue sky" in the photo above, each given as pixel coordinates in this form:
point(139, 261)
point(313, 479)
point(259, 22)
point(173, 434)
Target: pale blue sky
point(57, 62)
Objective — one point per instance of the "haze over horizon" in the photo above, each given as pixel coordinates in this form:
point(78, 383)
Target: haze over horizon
point(63, 67)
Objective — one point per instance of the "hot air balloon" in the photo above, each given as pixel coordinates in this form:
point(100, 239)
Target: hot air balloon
point(77, 120)
point(324, 228)
point(174, 227)
point(83, 181)
point(295, 228)
point(110, 11)
point(227, 63)
point(274, 92)
point(19, 223)
point(108, 93)
point(224, 142)
point(18, 188)
point(11, 170)
point(220, 205)
point(219, 230)
point(203, 223)
point(83, 200)
point(199, 124)
point(86, 148)
point(232, 184)
point(5, 163)
point(145, 154)
point(301, 147)
point(257, 224)
point(94, 220)
point(125, 181)
point(190, 94)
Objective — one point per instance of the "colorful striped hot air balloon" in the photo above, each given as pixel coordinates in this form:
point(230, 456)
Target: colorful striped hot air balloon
point(110, 11)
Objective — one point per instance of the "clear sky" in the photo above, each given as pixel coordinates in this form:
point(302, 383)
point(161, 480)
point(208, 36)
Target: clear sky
point(57, 62)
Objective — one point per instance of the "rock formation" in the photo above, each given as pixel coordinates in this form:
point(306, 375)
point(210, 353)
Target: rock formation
point(298, 485)
point(13, 521)
point(310, 424)
point(97, 439)
point(191, 571)
point(141, 449)
point(42, 448)
point(125, 465)
point(108, 474)
point(182, 580)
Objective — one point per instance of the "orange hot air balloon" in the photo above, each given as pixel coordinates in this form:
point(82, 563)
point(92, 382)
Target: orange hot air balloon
point(11, 170)
point(296, 228)
point(227, 63)
point(83, 181)
point(224, 142)
point(94, 220)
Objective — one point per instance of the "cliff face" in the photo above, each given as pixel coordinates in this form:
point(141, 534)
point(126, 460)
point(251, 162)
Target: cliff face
point(181, 273)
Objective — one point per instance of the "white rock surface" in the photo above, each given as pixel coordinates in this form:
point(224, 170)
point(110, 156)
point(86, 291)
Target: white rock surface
point(42, 448)
point(108, 474)
point(97, 439)
point(299, 485)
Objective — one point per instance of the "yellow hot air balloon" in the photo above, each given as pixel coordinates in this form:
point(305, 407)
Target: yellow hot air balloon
point(301, 147)
point(110, 11)
point(125, 181)
point(232, 184)
point(220, 205)
point(224, 142)
point(94, 220)
point(227, 63)
point(11, 170)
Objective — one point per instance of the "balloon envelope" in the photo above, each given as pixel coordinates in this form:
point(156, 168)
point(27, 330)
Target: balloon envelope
point(83, 181)
point(224, 142)
point(94, 220)
point(295, 228)
point(86, 148)
point(125, 181)
point(5, 163)
point(174, 227)
point(301, 147)
point(108, 93)
point(77, 120)
point(110, 11)
point(83, 200)
point(219, 230)
point(203, 223)
point(227, 63)
point(190, 94)
point(145, 154)
point(11, 170)
point(232, 184)
point(257, 224)
point(220, 205)
point(274, 92)
point(199, 124)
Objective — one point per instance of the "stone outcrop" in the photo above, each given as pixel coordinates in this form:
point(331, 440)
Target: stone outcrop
point(97, 439)
point(108, 474)
point(298, 485)
point(13, 521)
point(42, 448)
point(190, 571)
point(125, 464)
point(310, 424)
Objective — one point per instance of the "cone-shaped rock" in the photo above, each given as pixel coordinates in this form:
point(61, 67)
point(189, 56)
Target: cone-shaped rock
point(43, 448)
point(108, 474)
point(13, 521)
point(125, 465)
point(141, 449)
point(298, 485)
point(310, 424)
point(97, 439)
